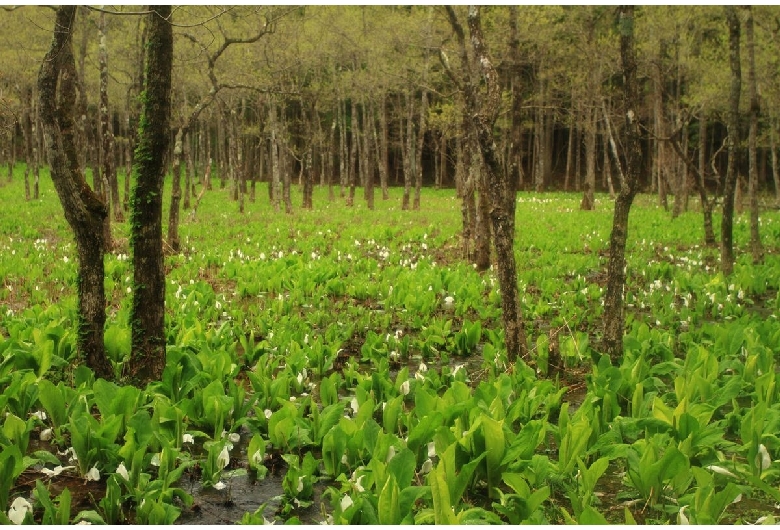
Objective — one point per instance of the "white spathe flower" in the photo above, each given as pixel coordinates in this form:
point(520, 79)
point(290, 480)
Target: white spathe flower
point(763, 460)
point(405, 388)
point(224, 458)
point(431, 449)
point(448, 302)
point(220, 485)
point(358, 486)
point(720, 470)
point(19, 509)
point(155, 460)
point(121, 470)
point(234, 437)
point(300, 484)
point(187, 438)
point(45, 435)
point(93, 474)
point(426, 467)
point(681, 516)
point(41, 415)
point(346, 502)
point(267, 413)
point(353, 404)
point(257, 457)
point(56, 471)
point(423, 367)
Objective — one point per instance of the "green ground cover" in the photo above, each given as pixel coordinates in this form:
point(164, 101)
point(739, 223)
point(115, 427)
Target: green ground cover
point(353, 355)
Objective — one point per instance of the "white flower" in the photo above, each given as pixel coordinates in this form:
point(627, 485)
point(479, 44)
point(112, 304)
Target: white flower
point(423, 367)
point(155, 460)
point(448, 302)
point(346, 502)
point(720, 470)
point(187, 438)
point(358, 486)
point(763, 460)
point(19, 509)
point(431, 449)
point(405, 388)
point(93, 474)
point(45, 435)
point(220, 485)
point(300, 484)
point(257, 457)
point(234, 437)
point(426, 467)
point(122, 471)
point(224, 458)
point(41, 415)
point(56, 471)
point(353, 404)
point(681, 515)
point(267, 413)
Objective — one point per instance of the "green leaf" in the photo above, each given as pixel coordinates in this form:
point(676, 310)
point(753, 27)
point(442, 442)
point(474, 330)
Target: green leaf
point(389, 511)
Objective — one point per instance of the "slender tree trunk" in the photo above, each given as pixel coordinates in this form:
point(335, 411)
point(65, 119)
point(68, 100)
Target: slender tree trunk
point(190, 176)
point(147, 316)
point(384, 169)
point(588, 197)
point(83, 209)
point(107, 133)
point(369, 131)
point(173, 212)
point(727, 226)
point(418, 173)
point(756, 248)
point(614, 317)
point(701, 185)
point(275, 187)
point(775, 170)
point(353, 143)
point(409, 157)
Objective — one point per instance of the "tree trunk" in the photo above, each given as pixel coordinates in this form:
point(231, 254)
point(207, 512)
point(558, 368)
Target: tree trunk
point(614, 318)
point(418, 173)
point(701, 184)
point(588, 197)
point(409, 158)
point(756, 249)
point(369, 131)
point(727, 226)
point(384, 170)
point(775, 170)
point(147, 316)
point(83, 209)
point(173, 212)
point(275, 187)
point(106, 132)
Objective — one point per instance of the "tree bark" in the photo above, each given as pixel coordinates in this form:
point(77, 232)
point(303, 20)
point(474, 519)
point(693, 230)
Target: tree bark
point(501, 190)
point(756, 249)
point(106, 131)
point(384, 169)
point(83, 209)
point(729, 188)
point(588, 196)
point(173, 212)
point(418, 172)
point(409, 157)
point(614, 318)
point(147, 316)
point(775, 170)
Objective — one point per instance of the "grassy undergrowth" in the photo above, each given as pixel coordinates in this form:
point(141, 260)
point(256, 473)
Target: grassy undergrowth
point(355, 354)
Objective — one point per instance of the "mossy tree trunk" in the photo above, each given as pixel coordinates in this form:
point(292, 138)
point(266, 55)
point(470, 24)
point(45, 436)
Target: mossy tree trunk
point(147, 316)
point(83, 209)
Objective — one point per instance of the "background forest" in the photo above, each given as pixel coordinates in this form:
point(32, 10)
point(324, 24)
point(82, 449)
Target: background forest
point(357, 94)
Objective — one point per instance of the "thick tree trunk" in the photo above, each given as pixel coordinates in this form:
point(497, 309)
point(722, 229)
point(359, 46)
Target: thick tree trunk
point(83, 209)
point(727, 222)
point(756, 248)
point(614, 317)
point(147, 315)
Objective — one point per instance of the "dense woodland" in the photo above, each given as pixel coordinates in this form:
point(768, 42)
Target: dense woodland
point(346, 95)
